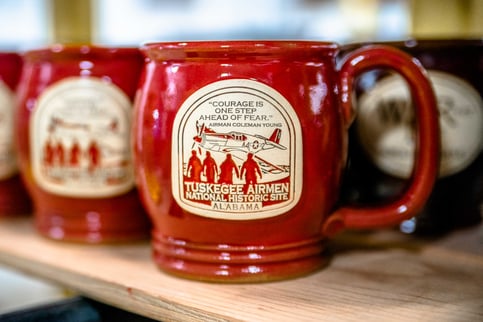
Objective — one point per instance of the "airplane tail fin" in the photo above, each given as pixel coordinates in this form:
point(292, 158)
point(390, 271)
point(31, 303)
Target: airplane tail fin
point(275, 137)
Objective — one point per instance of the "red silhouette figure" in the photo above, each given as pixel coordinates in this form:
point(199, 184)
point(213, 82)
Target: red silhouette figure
point(226, 170)
point(94, 156)
point(75, 151)
point(194, 168)
point(114, 126)
point(59, 153)
point(210, 168)
point(250, 169)
point(48, 153)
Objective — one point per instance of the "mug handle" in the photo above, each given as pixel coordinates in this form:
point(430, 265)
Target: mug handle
point(426, 163)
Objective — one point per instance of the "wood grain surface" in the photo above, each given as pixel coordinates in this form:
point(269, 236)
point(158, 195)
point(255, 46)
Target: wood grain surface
point(371, 276)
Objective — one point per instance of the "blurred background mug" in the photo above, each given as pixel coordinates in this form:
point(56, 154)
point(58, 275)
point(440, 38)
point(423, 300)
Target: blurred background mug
point(73, 127)
point(240, 148)
point(14, 199)
point(382, 144)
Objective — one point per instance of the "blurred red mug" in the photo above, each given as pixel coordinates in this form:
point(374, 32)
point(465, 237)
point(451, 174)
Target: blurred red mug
point(73, 129)
point(14, 199)
point(240, 150)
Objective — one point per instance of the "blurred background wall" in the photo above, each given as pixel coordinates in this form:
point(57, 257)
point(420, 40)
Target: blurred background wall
point(32, 23)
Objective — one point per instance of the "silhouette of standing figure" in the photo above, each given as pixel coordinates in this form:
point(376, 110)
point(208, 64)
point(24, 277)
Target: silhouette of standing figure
point(75, 151)
point(209, 168)
point(94, 156)
point(250, 169)
point(59, 153)
point(194, 168)
point(226, 170)
point(49, 153)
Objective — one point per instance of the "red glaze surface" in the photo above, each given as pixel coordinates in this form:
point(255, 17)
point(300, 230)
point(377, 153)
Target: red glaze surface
point(93, 220)
point(283, 246)
point(14, 199)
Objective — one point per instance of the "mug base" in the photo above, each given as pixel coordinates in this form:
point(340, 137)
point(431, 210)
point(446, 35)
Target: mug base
point(238, 264)
point(14, 199)
point(86, 236)
point(92, 227)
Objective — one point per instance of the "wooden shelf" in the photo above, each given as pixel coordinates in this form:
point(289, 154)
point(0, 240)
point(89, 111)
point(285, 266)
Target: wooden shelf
point(372, 276)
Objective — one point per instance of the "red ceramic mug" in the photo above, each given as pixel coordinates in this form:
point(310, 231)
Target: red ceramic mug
point(73, 129)
point(14, 199)
point(240, 149)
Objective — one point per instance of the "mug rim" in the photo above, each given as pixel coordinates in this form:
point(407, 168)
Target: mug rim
point(224, 48)
point(9, 54)
point(440, 43)
point(423, 43)
point(78, 50)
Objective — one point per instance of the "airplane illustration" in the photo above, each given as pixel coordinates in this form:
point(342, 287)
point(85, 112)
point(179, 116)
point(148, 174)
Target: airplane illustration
point(105, 131)
point(110, 125)
point(233, 141)
point(236, 141)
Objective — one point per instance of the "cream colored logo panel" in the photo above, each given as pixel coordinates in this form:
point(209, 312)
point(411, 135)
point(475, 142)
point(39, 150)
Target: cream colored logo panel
point(79, 139)
point(237, 152)
point(385, 124)
point(8, 161)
